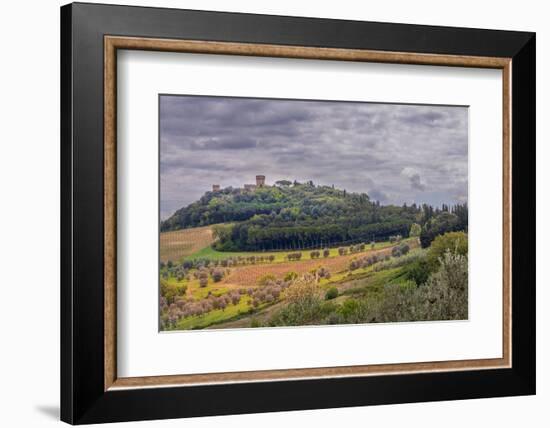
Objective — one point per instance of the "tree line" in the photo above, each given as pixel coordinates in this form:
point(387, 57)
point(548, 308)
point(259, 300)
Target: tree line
point(306, 216)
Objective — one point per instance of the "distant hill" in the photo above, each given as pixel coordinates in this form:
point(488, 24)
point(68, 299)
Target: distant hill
point(298, 215)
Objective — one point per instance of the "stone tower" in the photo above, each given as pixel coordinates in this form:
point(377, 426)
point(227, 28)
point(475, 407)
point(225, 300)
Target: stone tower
point(260, 180)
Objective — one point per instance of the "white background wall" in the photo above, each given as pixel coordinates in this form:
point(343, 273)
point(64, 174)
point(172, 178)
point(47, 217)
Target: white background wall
point(29, 213)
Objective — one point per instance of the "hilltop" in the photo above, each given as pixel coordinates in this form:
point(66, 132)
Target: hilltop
point(292, 215)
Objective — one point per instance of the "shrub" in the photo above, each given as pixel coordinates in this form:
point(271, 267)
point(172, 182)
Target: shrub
point(326, 252)
point(355, 311)
point(332, 293)
point(171, 291)
point(217, 275)
point(314, 254)
point(418, 271)
point(302, 290)
point(255, 323)
point(416, 229)
point(440, 224)
point(349, 306)
point(323, 272)
point(400, 250)
point(444, 296)
point(203, 281)
point(290, 276)
point(276, 292)
point(411, 257)
point(307, 311)
point(294, 256)
point(354, 264)
point(396, 251)
point(266, 279)
point(455, 242)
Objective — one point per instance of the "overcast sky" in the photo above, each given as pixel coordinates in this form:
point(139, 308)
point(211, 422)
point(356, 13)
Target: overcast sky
point(394, 153)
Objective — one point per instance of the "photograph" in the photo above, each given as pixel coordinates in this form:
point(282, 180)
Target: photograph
point(284, 212)
point(279, 210)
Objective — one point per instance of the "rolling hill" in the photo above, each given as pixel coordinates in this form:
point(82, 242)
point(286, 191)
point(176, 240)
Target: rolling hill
point(302, 215)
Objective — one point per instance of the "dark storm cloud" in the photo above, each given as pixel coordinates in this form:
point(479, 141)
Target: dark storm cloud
point(395, 153)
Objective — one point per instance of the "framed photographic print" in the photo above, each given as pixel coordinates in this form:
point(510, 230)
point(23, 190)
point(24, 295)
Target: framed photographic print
point(266, 213)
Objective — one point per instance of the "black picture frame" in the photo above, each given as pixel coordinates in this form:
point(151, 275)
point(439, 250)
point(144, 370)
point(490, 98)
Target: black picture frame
point(83, 398)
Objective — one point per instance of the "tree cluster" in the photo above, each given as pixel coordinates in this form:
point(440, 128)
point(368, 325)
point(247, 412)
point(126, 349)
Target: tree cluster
point(183, 307)
point(304, 216)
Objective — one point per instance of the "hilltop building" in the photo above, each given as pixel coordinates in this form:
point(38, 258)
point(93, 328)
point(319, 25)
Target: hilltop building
point(260, 182)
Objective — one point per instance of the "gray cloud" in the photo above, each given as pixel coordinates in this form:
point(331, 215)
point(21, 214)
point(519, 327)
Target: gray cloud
point(395, 153)
point(378, 195)
point(415, 180)
point(231, 143)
